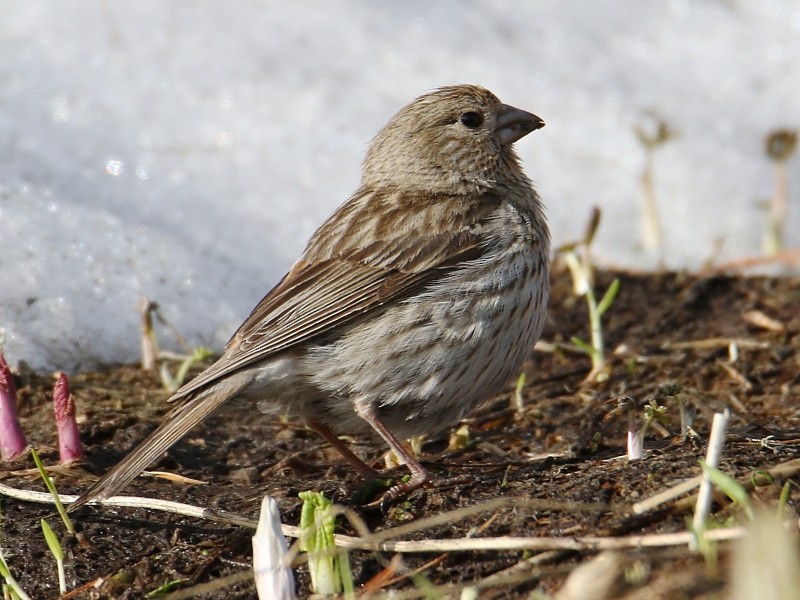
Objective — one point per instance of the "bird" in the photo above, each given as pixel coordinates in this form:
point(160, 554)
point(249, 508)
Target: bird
point(413, 303)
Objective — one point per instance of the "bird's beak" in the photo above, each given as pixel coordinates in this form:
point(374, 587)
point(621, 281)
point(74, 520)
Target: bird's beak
point(513, 124)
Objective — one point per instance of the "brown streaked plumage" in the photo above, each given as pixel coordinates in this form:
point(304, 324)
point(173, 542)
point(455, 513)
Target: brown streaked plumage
point(415, 301)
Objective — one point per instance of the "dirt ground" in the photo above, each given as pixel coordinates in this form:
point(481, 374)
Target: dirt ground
point(555, 464)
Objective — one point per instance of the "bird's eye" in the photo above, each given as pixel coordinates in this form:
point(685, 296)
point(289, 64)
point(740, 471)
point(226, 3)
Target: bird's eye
point(471, 119)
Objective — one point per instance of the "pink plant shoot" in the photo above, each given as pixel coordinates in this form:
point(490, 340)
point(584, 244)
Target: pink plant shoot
point(12, 440)
point(70, 448)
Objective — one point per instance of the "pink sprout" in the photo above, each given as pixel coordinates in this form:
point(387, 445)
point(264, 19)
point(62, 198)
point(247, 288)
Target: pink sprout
point(70, 448)
point(12, 439)
point(635, 445)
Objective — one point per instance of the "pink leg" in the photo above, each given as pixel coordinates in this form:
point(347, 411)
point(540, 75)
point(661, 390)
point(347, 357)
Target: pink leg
point(359, 465)
point(419, 476)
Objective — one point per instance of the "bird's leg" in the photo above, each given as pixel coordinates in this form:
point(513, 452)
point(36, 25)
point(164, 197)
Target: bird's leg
point(419, 475)
point(359, 465)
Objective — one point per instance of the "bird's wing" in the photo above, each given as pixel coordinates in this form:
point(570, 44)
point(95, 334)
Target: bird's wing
point(315, 297)
point(318, 296)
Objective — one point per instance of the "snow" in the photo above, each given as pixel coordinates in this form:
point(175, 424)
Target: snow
point(184, 151)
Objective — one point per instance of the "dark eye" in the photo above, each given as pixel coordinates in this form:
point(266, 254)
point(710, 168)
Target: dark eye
point(471, 119)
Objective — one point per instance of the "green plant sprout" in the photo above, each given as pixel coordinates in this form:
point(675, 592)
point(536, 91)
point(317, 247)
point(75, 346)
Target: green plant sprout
point(459, 439)
point(170, 383)
point(737, 494)
point(57, 552)
point(329, 568)
point(577, 256)
point(779, 147)
point(166, 588)
point(674, 390)
point(414, 443)
point(783, 501)
point(14, 589)
point(734, 490)
point(652, 237)
point(765, 559)
point(51, 487)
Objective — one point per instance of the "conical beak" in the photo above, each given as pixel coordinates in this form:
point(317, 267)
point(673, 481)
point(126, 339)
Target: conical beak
point(514, 124)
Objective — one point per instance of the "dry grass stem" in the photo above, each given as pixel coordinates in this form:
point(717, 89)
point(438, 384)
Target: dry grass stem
point(663, 497)
point(715, 444)
point(717, 342)
point(758, 318)
point(380, 541)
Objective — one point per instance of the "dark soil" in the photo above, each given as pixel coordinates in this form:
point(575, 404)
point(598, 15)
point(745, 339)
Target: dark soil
point(548, 462)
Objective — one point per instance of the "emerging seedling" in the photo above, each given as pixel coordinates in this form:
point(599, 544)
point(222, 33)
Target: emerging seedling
point(459, 439)
point(57, 552)
point(148, 311)
point(635, 434)
point(149, 342)
point(170, 383)
point(273, 575)
point(578, 259)
point(728, 485)
point(687, 414)
point(51, 487)
point(13, 586)
point(329, 568)
point(779, 147)
point(652, 412)
point(70, 448)
point(12, 439)
point(652, 238)
point(413, 444)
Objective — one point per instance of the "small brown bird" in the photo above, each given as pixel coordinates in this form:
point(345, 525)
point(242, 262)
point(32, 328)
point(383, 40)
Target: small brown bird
point(414, 302)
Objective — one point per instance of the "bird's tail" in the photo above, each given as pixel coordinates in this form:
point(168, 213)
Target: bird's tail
point(175, 425)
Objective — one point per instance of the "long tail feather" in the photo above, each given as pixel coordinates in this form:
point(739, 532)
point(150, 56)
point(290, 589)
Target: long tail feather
point(176, 424)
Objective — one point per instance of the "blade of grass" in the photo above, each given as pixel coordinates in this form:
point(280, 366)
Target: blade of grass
point(608, 297)
point(12, 583)
point(729, 486)
point(57, 552)
point(51, 487)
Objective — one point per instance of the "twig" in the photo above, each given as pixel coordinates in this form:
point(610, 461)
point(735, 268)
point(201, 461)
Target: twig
point(715, 444)
point(758, 318)
point(717, 342)
point(379, 541)
point(178, 508)
point(735, 375)
point(684, 487)
point(523, 567)
point(785, 470)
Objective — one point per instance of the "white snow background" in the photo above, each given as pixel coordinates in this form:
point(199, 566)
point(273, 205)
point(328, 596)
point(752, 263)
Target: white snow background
point(184, 151)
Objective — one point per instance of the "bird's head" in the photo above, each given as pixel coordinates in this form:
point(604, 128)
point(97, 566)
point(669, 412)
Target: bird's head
point(454, 139)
